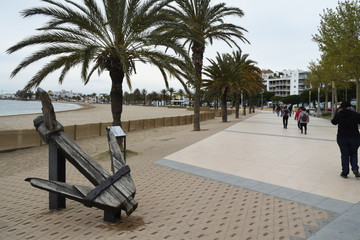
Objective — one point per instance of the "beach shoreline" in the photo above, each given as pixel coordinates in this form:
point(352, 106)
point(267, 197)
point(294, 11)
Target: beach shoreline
point(83, 106)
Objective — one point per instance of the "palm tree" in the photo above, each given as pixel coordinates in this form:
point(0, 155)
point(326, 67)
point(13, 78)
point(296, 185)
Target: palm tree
point(109, 37)
point(181, 93)
point(248, 80)
point(127, 97)
point(136, 96)
point(171, 91)
point(153, 96)
point(143, 94)
point(222, 74)
point(164, 96)
point(198, 24)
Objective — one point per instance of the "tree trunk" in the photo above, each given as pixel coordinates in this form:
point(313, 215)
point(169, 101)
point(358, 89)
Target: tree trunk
point(197, 58)
point(326, 100)
point(336, 99)
point(318, 110)
point(197, 109)
point(358, 95)
point(332, 99)
point(249, 101)
point(116, 95)
point(244, 104)
point(237, 105)
point(224, 106)
point(253, 104)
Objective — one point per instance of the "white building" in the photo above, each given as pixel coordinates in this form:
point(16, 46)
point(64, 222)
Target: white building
point(285, 83)
point(63, 93)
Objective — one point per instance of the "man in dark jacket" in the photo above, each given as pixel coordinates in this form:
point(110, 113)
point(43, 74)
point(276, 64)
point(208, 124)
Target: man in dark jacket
point(348, 137)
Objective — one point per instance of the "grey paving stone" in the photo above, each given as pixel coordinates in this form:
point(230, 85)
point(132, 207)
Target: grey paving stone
point(286, 193)
point(334, 205)
point(265, 187)
point(308, 198)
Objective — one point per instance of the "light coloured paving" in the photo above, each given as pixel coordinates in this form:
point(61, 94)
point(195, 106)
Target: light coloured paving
point(260, 149)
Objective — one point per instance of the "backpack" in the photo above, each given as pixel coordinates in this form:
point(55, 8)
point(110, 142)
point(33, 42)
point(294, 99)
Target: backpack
point(285, 112)
point(304, 118)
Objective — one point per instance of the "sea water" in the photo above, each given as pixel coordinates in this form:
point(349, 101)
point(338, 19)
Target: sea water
point(15, 107)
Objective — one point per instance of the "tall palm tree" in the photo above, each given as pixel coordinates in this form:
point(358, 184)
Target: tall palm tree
point(111, 36)
point(171, 92)
point(164, 95)
point(248, 79)
point(222, 74)
point(181, 93)
point(143, 94)
point(127, 97)
point(136, 96)
point(153, 96)
point(198, 23)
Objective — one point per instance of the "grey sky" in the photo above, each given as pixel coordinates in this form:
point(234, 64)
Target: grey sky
point(279, 32)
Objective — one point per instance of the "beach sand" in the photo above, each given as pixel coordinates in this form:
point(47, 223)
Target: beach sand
point(92, 113)
point(148, 143)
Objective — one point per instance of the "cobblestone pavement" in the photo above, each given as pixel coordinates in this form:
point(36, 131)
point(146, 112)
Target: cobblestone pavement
point(172, 204)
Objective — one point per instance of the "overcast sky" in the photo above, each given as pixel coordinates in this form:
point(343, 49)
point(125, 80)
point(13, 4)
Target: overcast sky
point(279, 31)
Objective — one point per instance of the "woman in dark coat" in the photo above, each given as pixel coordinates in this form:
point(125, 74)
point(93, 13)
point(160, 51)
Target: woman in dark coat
point(348, 138)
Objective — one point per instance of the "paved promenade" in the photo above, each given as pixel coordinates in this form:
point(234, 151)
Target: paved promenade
point(260, 155)
point(248, 179)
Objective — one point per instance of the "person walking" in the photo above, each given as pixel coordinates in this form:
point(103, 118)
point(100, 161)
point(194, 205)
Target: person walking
point(303, 119)
point(285, 115)
point(296, 118)
point(290, 110)
point(277, 109)
point(348, 137)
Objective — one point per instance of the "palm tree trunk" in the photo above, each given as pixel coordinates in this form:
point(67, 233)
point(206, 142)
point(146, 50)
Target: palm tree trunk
point(237, 105)
point(244, 103)
point(197, 58)
point(224, 106)
point(197, 109)
point(116, 96)
point(250, 101)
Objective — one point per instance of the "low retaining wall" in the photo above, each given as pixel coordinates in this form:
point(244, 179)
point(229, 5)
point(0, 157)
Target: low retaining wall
point(16, 139)
point(217, 112)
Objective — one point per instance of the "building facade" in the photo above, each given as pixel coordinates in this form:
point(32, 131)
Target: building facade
point(285, 83)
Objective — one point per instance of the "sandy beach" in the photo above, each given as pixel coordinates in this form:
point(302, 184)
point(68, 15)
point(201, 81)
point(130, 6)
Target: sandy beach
point(92, 113)
point(139, 141)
